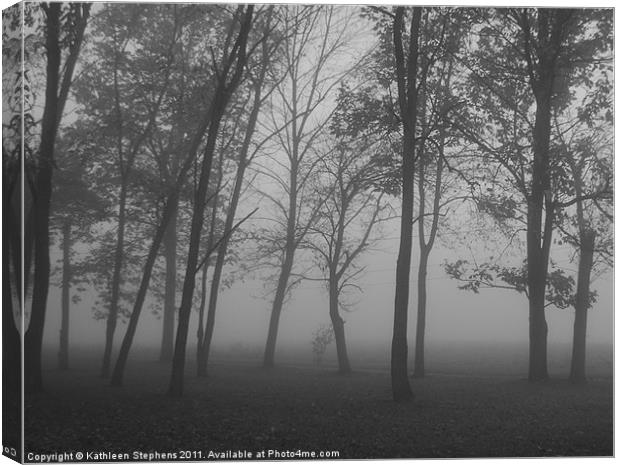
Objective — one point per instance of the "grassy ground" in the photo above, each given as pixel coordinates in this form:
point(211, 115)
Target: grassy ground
point(242, 407)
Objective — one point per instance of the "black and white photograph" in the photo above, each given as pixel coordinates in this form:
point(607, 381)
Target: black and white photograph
point(287, 231)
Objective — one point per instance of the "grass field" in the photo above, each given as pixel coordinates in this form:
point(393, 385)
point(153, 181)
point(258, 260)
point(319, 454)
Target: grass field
point(242, 407)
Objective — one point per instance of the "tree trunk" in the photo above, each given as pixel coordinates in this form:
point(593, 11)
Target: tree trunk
point(116, 280)
point(419, 370)
point(344, 366)
point(401, 389)
point(287, 263)
point(55, 97)
point(551, 33)
point(178, 361)
point(201, 363)
point(582, 303)
point(205, 347)
point(170, 252)
point(169, 211)
point(276, 309)
point(230, 218)
point(537, 265)
point(34, 335)
point(407, 92)
point(222, 96)
point(63, 352)
point(538, 241)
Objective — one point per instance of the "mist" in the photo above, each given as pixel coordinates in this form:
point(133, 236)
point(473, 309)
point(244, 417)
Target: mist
point(307, 231)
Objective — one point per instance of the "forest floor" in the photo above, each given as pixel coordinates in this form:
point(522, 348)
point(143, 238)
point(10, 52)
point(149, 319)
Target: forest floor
point(241, 407)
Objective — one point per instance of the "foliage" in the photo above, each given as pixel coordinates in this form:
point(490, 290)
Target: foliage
point(322, 337)
point(560, 286)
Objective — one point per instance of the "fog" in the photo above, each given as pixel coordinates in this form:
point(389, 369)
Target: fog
point(492, 319)
point(348, 231)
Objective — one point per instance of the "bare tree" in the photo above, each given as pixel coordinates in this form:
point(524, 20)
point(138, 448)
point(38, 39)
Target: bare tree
point(351, 210)
point(318, 35)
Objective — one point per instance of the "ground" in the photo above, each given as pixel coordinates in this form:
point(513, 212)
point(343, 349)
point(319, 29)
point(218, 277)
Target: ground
point(242, 407)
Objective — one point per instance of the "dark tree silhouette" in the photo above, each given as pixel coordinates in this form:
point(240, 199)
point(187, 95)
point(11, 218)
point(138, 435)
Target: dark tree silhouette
point(406, 76)
point(547, 54)
point(205, 122)
point(60, 30)
point(351, 210)
point(228, 79)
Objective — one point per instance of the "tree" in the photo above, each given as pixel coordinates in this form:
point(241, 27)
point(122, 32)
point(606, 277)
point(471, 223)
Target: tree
point(247, 152)
point(228, 78)
point(438, 182)
point(316, 39)
point(525, 66)
point(584, 144)
point(64, 29)
point(74, 208)
point(125, 111)
point(213, 225)
point(349, 213)
point(406, 78)
point(230, 57)
point(169, 144)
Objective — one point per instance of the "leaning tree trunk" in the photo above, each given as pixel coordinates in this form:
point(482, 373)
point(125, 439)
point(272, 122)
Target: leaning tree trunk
point(116, 280)
point(205, 347)
point(201, 364)
point(170, 209)
point(223, 93)
point(201, 360)
point(285, 271)
point(178, 361)
point(170, 254)
point(63, 352)
point(276, 309)
point(582, 303)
